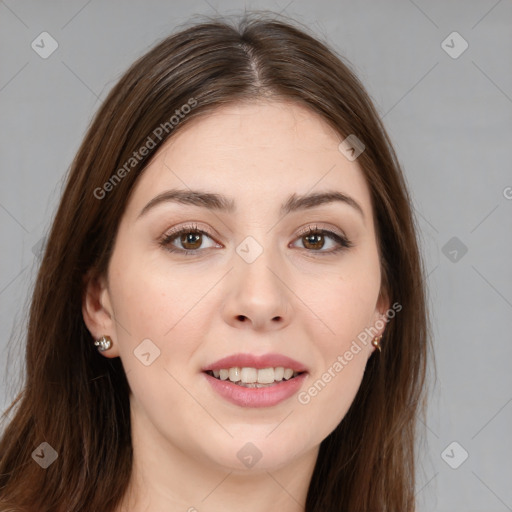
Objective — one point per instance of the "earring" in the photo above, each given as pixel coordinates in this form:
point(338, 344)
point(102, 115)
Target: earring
point(104, 343)
point(376, 342)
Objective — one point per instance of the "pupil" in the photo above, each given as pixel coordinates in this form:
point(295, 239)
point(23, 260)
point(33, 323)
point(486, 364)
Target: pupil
point(191, 238)
point(318, 239)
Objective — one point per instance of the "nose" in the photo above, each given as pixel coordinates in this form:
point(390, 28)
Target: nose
point(258, 297)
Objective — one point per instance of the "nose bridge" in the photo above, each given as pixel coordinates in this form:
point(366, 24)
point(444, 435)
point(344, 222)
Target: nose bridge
point(257, 292)
point(258, 262)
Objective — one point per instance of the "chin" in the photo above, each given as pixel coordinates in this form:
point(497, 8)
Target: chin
point(247, 454)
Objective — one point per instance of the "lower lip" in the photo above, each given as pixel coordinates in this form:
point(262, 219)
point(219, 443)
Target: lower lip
point(256, 397)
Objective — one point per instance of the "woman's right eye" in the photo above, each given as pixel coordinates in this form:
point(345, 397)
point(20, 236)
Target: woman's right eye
point(190, 238)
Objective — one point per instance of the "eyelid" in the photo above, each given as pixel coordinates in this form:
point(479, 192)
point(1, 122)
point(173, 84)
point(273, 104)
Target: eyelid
point(332, 232)
point(317, 226)
point(192, 226)
point(165, 239)
point(196, 226)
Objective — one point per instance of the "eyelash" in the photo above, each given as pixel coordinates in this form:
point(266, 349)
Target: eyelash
point(342, 241)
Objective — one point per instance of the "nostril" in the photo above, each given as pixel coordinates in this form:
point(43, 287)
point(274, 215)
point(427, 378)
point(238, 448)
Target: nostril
point(241, 318)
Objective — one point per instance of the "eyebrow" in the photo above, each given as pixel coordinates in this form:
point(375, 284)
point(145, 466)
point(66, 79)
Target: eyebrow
point(221, 203)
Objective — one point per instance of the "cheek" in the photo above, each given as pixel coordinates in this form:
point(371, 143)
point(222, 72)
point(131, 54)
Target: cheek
point(346, 306)
point(329, 395)
point(152, 304)
point(156, 339)
point(353, 311)
point(150, 290)
point(345, 301)
point(330, 390)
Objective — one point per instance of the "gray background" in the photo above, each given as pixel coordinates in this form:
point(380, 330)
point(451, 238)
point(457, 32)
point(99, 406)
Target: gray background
point(451, 123)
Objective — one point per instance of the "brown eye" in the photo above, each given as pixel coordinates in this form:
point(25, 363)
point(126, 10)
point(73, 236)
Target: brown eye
point(191, 240)
point(315, 241)
point(188, 240)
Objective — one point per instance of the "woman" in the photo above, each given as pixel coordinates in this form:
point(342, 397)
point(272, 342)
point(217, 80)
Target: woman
point(232, 300)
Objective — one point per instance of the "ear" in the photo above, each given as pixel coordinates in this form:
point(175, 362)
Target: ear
point(382, 307)
point(97, 311)
point(380, 316)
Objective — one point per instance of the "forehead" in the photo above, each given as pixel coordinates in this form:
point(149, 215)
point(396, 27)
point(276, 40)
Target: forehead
point(255, 153)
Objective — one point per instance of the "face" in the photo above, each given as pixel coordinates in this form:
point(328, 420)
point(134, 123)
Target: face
point(272, 277)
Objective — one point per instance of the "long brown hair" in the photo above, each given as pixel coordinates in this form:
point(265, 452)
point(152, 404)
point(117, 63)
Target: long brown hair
point(78, 401)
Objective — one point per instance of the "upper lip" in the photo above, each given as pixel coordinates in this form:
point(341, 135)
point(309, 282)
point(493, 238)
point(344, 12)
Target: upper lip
point(244, 360)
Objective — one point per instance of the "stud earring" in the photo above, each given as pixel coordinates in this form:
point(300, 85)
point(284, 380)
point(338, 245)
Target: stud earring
point(104, 343)
point(376, 342)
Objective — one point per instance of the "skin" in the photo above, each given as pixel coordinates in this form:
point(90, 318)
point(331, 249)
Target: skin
point(297, 300)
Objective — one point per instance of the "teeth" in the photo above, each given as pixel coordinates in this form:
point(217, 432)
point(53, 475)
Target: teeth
point(288, 373)
point(249, 375)
point(254, 376)
point(279, 373)
point(266, 376)
point(234, 374)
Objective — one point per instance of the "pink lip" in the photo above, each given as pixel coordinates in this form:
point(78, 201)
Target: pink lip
point(258, 362)
point(256, 397)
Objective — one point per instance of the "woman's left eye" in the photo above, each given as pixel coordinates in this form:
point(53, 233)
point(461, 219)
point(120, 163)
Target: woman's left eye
point(191, 239)
point(315, 237)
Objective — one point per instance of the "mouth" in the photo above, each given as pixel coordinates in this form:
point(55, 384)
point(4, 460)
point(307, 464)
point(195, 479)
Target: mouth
point(249, 377)
point(250, 380)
